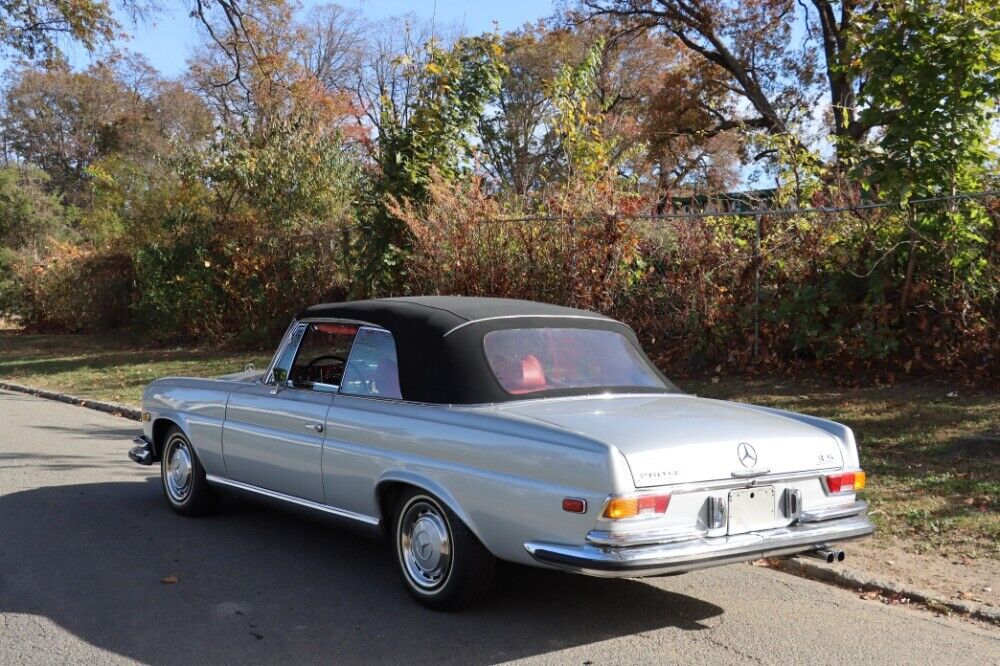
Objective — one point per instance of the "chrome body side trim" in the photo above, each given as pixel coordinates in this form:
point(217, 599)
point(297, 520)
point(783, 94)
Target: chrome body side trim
point(698, 553)
point(830, 513)
point(325, 508)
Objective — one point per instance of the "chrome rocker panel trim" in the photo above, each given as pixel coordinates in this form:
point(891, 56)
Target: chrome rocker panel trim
point(316, 506)
point(700, 553)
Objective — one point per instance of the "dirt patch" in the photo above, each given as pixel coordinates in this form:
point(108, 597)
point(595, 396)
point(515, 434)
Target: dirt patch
point(952, 576)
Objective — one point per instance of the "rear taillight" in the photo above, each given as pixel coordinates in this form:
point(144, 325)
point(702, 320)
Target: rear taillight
point(618, 508)
point(846, 482)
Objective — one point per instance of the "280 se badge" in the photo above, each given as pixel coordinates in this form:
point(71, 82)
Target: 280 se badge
point(468, 430)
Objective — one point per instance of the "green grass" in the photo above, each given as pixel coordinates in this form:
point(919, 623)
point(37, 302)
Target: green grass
point(106, 368)
point(933, 460)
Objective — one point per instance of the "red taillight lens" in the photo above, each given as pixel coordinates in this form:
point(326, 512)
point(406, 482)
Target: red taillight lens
point(847, 482)
point(574, 505)
point(653, 503)
point(628, 507)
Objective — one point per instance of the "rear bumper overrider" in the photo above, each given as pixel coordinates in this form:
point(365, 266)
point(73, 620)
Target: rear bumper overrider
point(688, 554)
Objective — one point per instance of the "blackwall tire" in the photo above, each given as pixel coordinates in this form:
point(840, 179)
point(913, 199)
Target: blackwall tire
point(442, 563)
point(183, 478)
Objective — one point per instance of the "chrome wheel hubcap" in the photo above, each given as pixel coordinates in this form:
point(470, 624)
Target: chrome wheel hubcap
point(425, 545)
point(178, 471)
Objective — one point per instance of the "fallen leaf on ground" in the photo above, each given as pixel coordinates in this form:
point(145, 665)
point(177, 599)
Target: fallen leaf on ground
point(169, 580)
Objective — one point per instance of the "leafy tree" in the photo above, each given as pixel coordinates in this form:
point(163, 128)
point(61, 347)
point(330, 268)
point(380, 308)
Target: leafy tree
point(452, 90)
point(28, 213)
point(65, 121)
point(430, 135)
point(748, 41)
point(589, 154)
point(33, 29)
point(933, 81)
point(518, 150)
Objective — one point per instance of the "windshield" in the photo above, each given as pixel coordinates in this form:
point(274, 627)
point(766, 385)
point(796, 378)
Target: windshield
point(529, 360)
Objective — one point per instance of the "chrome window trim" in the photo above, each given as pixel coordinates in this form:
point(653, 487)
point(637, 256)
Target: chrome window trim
point(350, 355)
point(526, 316)
point(325, 508)
point(334, 388)
point(268, 373)
point(269, 376)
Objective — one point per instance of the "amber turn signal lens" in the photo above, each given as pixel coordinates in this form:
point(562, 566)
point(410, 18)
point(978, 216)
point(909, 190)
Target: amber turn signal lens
point(627, 507)
point(842, 483)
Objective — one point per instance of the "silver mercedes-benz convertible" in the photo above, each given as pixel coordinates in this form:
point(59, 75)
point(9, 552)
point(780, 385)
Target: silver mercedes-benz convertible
point(467, 430)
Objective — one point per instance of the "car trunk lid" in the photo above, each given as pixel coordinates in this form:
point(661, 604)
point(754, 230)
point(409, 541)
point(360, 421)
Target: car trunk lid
point(670, 439)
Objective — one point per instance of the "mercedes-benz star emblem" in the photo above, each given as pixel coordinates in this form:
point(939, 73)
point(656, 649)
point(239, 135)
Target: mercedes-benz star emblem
point(747, 454)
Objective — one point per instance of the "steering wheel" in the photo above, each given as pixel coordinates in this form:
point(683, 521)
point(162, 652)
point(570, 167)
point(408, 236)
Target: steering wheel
point(322, 371)
point(325, 357)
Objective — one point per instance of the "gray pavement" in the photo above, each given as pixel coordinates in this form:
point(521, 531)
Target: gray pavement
point(86, 539)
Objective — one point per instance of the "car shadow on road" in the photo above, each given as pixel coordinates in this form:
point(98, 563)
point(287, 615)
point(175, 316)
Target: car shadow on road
point(256, 583)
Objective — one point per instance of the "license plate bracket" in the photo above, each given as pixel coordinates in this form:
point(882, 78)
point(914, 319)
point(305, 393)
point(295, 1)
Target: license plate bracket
point(751, 509)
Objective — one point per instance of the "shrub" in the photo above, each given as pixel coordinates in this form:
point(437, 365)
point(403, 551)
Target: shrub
point(74, 290)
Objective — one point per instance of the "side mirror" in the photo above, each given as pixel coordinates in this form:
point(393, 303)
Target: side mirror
point(280, 375)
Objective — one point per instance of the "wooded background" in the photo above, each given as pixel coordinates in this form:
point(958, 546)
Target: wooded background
point(314, 155)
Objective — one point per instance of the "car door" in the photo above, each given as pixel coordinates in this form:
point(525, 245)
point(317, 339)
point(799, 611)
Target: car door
point(367, 417)
point(274, 431)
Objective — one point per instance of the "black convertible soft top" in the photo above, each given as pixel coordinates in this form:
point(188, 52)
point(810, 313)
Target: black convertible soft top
point(439, 341)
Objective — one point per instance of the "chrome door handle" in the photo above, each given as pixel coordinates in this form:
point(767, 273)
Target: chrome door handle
point(318, 427)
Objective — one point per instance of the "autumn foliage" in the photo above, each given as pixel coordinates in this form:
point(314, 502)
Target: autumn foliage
point(306, 158)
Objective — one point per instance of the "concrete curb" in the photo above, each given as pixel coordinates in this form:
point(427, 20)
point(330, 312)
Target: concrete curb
point(857, 580)
point(114, 408)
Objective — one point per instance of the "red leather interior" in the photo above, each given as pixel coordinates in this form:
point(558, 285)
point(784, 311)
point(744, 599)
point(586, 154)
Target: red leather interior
point(532, 374)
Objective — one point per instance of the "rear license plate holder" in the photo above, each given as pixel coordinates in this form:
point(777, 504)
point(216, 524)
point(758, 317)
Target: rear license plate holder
point(751, 509)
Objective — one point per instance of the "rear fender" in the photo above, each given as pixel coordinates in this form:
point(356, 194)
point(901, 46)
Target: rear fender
point(426, 484)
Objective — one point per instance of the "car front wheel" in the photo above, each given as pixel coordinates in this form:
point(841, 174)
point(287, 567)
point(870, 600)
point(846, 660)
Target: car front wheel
point(442, 563)
point(183, 477)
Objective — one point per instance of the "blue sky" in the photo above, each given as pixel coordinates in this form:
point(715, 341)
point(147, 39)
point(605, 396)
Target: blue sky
point(170, 37)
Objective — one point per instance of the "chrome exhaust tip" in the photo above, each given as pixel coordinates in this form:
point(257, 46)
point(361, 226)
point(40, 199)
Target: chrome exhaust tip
point(827, 555)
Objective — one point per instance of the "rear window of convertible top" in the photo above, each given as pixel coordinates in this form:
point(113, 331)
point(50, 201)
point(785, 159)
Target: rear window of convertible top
point(531, 360)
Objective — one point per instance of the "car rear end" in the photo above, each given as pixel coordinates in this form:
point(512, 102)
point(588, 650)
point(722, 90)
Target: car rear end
point(671, 529)
point(711, 483)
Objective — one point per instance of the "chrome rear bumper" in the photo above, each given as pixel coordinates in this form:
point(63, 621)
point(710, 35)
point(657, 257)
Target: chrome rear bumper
point(698, 553)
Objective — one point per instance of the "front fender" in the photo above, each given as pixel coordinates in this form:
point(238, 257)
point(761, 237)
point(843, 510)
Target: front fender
point(198, 408)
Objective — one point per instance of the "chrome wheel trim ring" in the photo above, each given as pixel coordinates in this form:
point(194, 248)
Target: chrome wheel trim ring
point(178, 471)
point(424, 544)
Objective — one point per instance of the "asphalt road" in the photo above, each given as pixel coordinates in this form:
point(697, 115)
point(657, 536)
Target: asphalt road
point(86, 539)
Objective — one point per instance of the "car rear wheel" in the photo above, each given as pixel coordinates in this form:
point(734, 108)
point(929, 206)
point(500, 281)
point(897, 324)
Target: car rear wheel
point(183, 477)
point(442, 563)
